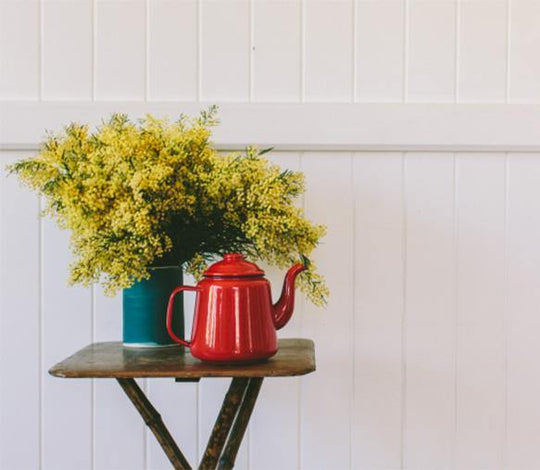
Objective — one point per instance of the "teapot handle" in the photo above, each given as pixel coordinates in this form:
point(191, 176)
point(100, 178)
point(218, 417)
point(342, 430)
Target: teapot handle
point(170, 311)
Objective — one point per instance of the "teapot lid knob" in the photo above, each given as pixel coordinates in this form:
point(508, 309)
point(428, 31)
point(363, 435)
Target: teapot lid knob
point(233, 265)
point(233, 257)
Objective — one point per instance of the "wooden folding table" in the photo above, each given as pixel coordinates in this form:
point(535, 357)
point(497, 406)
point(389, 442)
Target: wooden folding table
point(114, 361)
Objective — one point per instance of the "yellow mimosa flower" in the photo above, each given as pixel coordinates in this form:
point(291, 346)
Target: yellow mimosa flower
point(156, 193)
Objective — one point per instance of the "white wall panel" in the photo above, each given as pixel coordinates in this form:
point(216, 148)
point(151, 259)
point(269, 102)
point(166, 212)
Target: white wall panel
point(279, 449)
point(522, 313)
point(482, 51)
point(120, 57)
point(328, 50)
point(432, 51)
point(459, 307)
point(426, 352)
point(225, 43)
point(178, 404)
point(379, 70)
point(326, 396)
point(524, 40)
point(67, 50)
point(20, 358)
point(308, 126)
point(19, 49)
point(125, 40)
point(173, 50)
point(276, 50)
point(118, 430)
point(66, 327)
point(377, 409)
point(430, 312)
point(480, 346)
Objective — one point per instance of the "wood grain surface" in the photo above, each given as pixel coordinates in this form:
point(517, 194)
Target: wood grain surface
point(113, 360)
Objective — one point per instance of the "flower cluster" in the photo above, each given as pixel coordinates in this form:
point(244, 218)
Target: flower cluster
point(156, 193)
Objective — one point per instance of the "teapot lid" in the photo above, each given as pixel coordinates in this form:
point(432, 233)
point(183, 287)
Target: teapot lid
point(233, 265)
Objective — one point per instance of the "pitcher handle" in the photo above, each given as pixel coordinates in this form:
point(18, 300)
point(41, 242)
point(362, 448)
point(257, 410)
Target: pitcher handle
point(170, 308)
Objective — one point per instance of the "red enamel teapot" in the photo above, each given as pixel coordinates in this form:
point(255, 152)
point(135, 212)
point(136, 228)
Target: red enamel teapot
point(234, 319)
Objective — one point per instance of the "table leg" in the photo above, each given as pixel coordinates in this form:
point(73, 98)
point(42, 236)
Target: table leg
point(226, 462)
point(228, 432)
point(153, 420)
point(229, 409)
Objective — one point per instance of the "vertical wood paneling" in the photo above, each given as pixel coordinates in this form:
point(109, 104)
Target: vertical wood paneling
point(524, 46)
point(379, 70)
point(327, 395)
point(120, 50)
point(173, 63)
point(480, 343)
point(19, 50)
point(279, 448)
point(427, 346)
point(173, 50)
point(430, 312)
point(276, 50)
point(274, 430)
point(454, 345)
point(432, 51)
point(118, 439)
point(522, 313)
point(225, 50)
point(66, 327)
point(67, 50)
point(376, 440)
point(329, 50)
point(482, 51)
point(19, 312)
point(177, 403)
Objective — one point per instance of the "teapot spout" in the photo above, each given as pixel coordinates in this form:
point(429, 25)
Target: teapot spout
point(283, 308)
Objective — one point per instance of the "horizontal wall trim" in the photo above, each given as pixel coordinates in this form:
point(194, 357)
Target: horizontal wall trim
point(307, 127)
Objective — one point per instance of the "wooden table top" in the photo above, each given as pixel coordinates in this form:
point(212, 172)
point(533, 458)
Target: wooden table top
point(113, 360)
